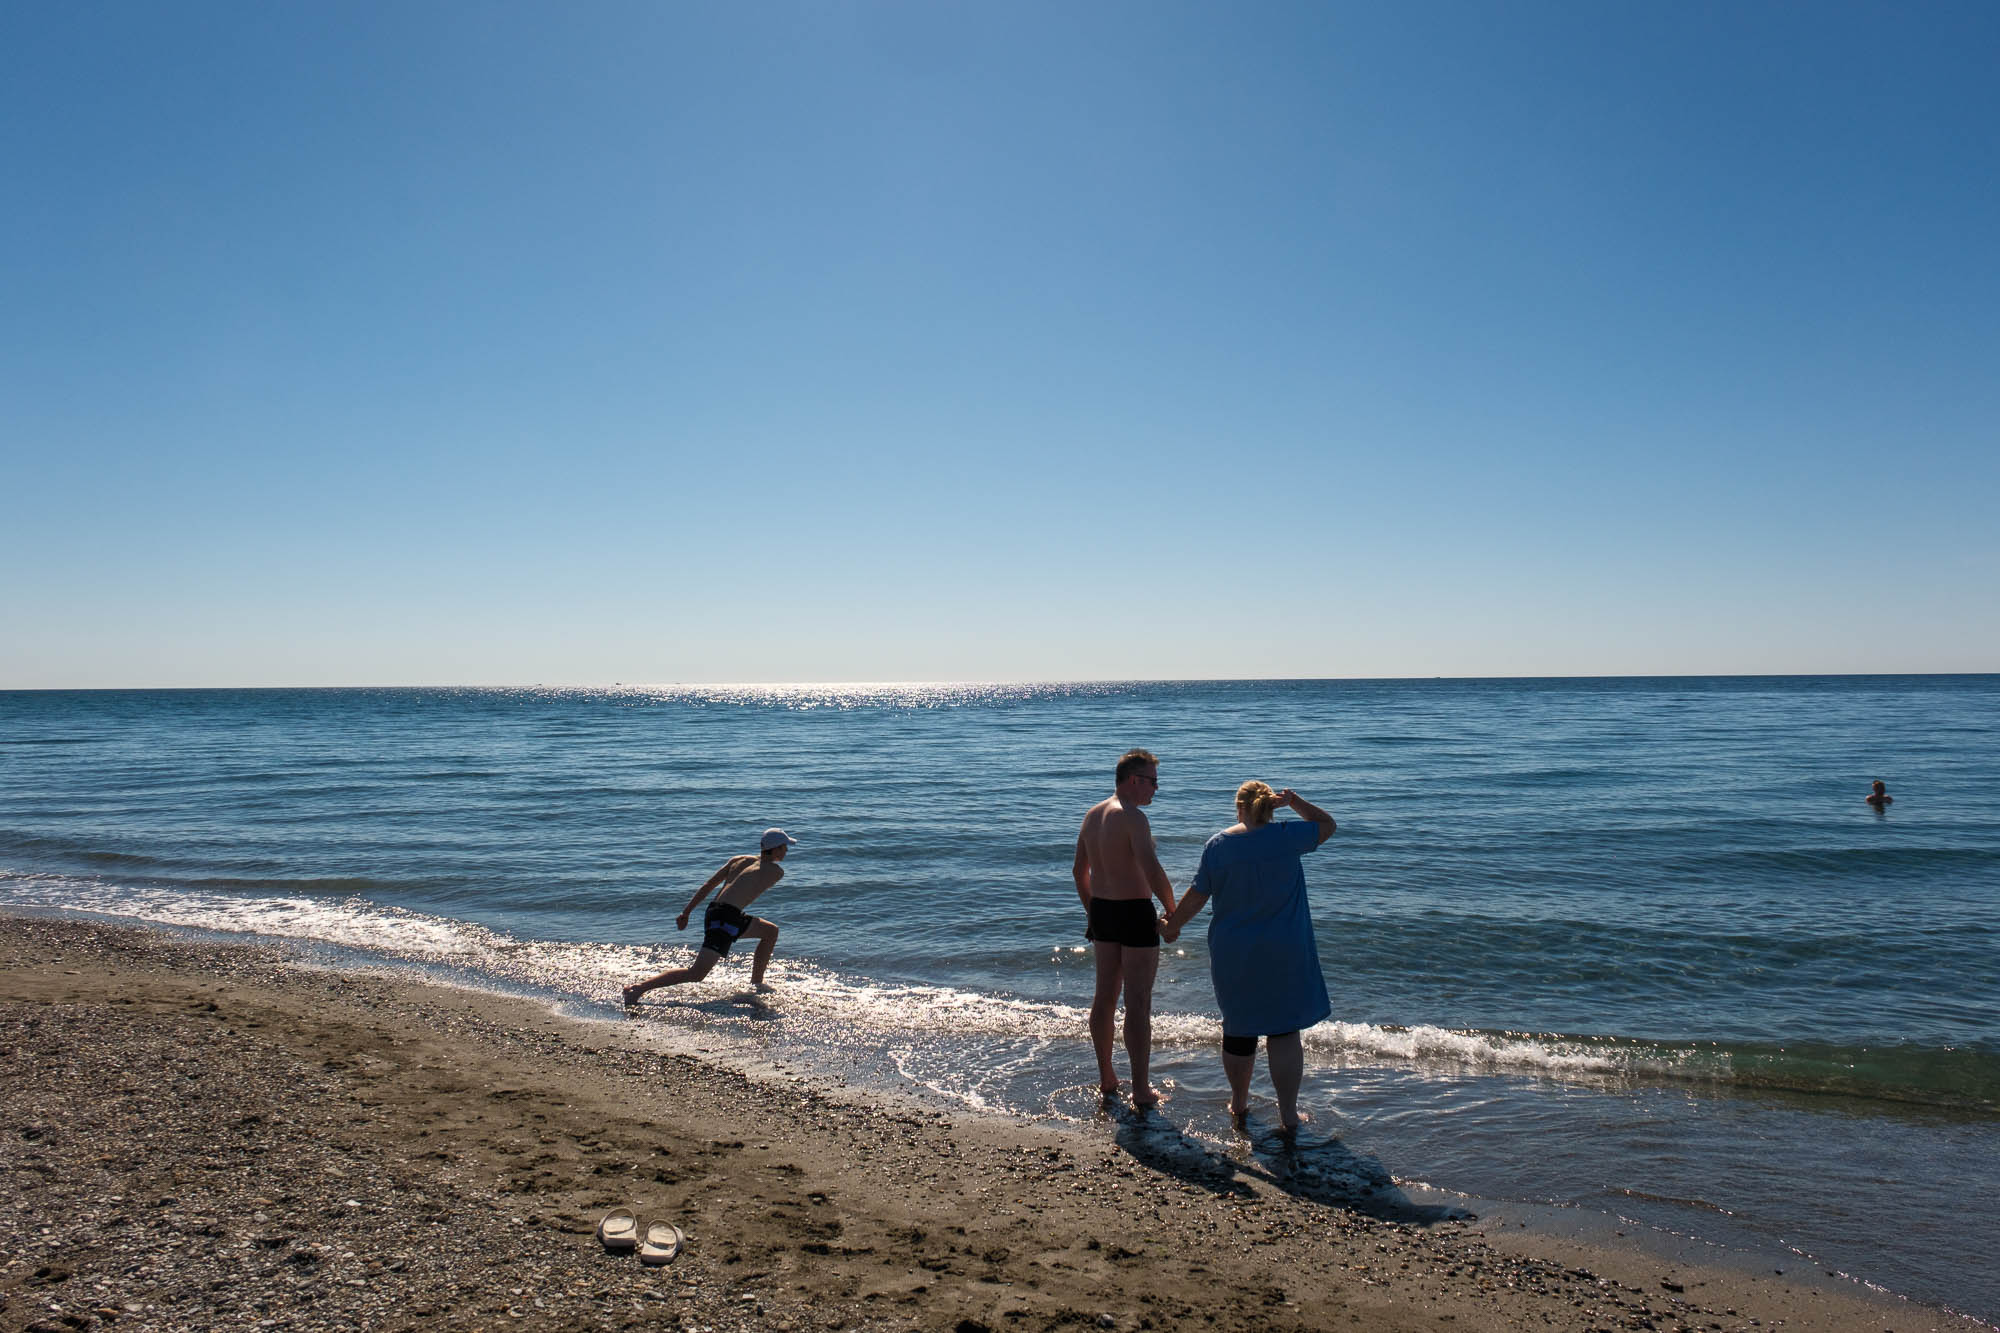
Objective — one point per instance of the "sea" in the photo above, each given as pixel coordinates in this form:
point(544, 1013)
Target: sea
point(1616, 954)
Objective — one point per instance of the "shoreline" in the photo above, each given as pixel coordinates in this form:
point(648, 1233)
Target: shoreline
point(210, 1135)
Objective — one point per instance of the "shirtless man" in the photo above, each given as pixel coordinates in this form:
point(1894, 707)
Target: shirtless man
point(1879, 797)
point(742, 878)
point(1117, 873)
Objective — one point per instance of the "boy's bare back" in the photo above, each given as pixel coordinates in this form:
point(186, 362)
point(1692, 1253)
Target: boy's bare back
point(747, 879)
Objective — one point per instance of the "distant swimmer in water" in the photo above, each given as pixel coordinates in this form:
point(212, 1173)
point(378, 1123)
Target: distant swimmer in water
point(1880, 797)
point(742, 879)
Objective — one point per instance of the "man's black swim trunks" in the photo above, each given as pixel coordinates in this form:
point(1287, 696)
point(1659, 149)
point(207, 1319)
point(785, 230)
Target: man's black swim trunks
point(1127, 921)
point(721, 924)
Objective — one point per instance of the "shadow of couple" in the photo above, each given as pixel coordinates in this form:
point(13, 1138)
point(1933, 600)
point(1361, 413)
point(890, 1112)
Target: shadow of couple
point(1305, 1163)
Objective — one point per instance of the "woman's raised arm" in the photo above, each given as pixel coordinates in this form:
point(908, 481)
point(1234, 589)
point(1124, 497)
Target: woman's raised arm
point(1292, 799)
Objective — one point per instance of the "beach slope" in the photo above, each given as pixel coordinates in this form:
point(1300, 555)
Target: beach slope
point(201, 1136)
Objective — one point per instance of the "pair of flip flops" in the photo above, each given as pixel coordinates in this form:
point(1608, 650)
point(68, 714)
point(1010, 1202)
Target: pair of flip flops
point(657, 1243)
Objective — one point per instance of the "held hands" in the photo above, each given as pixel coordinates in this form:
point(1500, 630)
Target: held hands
point(1169, 932)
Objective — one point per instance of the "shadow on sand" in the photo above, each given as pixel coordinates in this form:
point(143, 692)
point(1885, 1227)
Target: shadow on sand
point(742, 1004)
point(1310, 1165)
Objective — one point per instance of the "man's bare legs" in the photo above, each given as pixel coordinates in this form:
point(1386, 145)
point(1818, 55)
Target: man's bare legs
point(1121, 968)
point(703, 963)
point(1140, 967)
point(1104, 1012)
point(766, 936)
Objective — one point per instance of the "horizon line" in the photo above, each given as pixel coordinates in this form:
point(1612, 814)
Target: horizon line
point(858, 684)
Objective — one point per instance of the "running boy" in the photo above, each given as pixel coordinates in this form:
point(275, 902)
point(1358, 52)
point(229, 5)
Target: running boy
point(742, 879)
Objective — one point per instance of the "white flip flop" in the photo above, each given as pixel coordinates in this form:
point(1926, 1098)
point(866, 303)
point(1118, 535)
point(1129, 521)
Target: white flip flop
point(618, 1231)
point(663, 1241)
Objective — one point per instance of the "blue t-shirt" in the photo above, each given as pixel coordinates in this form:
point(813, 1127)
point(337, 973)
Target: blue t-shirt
point(1261, 953)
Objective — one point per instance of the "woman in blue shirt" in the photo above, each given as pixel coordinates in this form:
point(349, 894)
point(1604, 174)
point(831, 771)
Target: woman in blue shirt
point(1261, 953)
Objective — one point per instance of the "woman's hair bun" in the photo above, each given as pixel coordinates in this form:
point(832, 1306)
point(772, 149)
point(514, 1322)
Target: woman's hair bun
point(1255, 801)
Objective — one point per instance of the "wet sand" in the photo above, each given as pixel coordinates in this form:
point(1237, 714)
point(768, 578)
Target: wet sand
point(200, 1136)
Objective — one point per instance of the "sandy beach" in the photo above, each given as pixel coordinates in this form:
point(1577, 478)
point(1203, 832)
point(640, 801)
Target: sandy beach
point(202, 1136)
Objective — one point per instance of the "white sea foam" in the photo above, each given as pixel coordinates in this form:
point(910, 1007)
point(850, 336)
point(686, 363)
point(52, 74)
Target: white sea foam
point(1475, 1050)
point(897, 1019)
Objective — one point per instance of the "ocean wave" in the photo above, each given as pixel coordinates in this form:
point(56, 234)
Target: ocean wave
point(1901, 861)
point(842, 1009)
point(115, 859)
point(62, 847)
point(197, 897)
point(330, 885)
point(1966, 1078)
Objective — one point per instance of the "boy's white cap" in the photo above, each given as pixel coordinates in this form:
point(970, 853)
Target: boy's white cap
point(775, 837)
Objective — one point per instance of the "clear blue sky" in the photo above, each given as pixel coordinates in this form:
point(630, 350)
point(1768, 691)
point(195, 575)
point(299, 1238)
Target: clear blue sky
point(487, 342)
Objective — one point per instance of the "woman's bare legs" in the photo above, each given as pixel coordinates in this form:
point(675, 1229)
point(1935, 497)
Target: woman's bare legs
point(1239, 1068)
point(1287, 1057)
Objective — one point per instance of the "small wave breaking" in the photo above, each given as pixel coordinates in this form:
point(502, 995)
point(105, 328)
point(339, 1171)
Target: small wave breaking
point(824, 1003)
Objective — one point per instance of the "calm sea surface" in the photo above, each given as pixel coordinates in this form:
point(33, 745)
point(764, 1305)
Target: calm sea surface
point(1630, 948)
